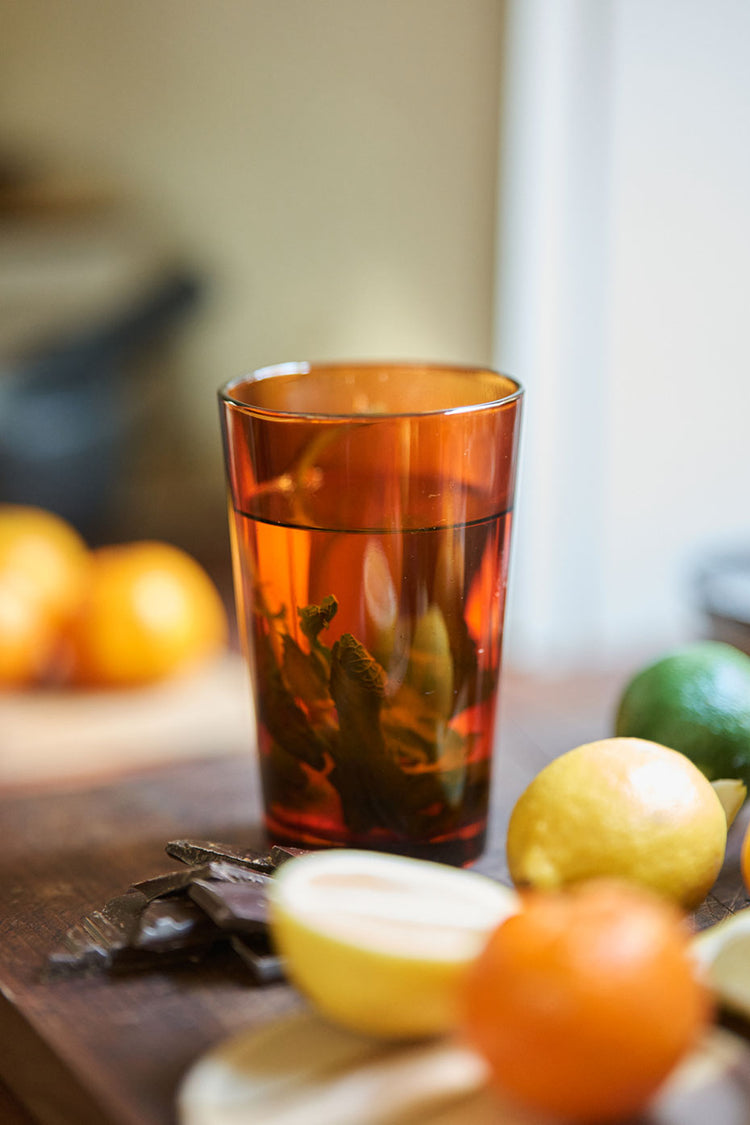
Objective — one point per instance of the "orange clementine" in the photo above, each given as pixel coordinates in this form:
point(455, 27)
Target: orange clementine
point(43, 552)
point(28, 637)
point(150, 610)
point(43, 567)
point(584, 1001)
point(745, 858)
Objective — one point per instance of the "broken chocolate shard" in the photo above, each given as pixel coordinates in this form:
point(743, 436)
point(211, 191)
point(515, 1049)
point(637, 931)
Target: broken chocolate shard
point(79, 953)
point(233, 907)
point(177, 882)
point(114, 926)
point(94, 942)
point(173, 924)
point(129, 932)
point(207, 851)
point(171, 883)
point(266, 967)
point(170, 930)
point(231, 873)
point(281, 854)
point(179, 915)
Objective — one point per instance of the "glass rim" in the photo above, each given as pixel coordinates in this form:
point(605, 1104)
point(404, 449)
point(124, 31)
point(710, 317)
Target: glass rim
point(305, 367)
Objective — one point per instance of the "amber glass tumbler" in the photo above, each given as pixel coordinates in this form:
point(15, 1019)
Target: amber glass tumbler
point(370, 515)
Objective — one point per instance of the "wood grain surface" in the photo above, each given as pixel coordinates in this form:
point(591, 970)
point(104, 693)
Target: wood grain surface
point(104, 1050)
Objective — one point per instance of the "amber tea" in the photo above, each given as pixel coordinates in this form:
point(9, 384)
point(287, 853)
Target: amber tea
point(370, 514)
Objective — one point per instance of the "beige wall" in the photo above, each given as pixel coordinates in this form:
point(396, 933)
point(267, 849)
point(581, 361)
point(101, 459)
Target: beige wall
point(330, 164)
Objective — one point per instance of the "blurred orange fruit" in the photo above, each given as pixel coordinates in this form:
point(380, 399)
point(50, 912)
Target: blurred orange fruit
point(745, 859)
point(44, 553)
point(149, 610)
point(28, 637)
point(584, 1001)
point(43, 567)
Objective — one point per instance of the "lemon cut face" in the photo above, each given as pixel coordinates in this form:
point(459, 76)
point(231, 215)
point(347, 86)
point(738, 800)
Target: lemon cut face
point(620, 807)
point(379, 943)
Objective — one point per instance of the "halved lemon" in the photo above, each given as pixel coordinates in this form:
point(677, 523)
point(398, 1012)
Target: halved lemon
point(379, 943)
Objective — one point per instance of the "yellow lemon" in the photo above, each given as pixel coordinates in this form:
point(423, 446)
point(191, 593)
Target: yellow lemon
point(620, 807)
point(380, 943)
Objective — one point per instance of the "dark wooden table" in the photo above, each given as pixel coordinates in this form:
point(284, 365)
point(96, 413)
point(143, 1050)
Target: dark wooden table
point(112, 1051)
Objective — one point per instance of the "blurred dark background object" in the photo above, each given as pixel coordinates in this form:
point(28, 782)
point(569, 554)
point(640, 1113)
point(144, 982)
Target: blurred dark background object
point(723, 591)
point(72, 413)
point(88, 305)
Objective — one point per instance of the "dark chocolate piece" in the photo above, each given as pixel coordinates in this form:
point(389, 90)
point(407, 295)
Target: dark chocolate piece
point(169, 930)
point(181, 914)
point(234, 907)
point(281, 854)
point(172, 882)
point(266, 967)
point(117, 920)
point(129, 932)
point(79, 954)
point(167, 925)
point(206, 851)
point(177, 882)
point(115, 925)
point(231, 873)
point(93, 942)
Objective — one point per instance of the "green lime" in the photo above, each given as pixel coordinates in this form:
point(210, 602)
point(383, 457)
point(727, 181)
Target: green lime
point(695, 700)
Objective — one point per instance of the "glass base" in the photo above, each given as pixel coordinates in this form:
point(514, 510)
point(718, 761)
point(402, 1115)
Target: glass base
point(457, 851)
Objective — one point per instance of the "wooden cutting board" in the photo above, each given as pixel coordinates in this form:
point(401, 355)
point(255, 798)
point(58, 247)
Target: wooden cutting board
point(63, 735)
point(112, 1051)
